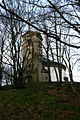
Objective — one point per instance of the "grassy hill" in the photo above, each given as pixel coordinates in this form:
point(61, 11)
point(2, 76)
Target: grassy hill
point(40, 101)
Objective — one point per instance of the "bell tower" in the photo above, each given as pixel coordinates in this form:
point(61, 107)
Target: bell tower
point(32, 53)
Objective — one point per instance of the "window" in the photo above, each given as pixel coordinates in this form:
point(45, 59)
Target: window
point(29, 42)
point(29, 52)
point(46, 78)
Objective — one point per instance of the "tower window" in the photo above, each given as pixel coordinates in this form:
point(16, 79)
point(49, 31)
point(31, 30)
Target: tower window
point(29, 41)
point(29, 52)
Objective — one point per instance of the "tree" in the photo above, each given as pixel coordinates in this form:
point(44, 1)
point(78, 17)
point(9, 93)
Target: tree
point(13, 52)
point(1, 59)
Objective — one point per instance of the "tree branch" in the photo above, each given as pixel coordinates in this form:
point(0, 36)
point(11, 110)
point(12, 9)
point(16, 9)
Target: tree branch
point(43, 31)
point(54, 7)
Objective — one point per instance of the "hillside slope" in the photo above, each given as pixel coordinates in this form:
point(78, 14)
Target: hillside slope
point(40, 101)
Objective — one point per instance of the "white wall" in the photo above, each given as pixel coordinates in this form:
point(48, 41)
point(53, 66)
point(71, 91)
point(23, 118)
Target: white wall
point(53, 75)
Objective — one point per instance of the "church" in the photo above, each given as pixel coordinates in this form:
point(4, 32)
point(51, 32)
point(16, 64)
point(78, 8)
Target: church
point(35, 65)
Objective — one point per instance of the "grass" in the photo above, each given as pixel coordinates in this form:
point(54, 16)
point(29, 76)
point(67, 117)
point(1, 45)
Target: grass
point(40, 101)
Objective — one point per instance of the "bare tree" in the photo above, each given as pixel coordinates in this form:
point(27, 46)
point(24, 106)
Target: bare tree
point(12, 54)
point(1, 59)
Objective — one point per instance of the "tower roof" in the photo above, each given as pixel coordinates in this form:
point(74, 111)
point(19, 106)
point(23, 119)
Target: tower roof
point(31, 33)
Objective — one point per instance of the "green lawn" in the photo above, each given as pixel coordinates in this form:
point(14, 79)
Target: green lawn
point(40, 101)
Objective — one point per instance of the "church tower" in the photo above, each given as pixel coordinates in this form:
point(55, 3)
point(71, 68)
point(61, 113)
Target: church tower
point(32, 52)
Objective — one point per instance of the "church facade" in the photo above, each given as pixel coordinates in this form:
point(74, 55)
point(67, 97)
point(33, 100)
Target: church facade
point(34, 64)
